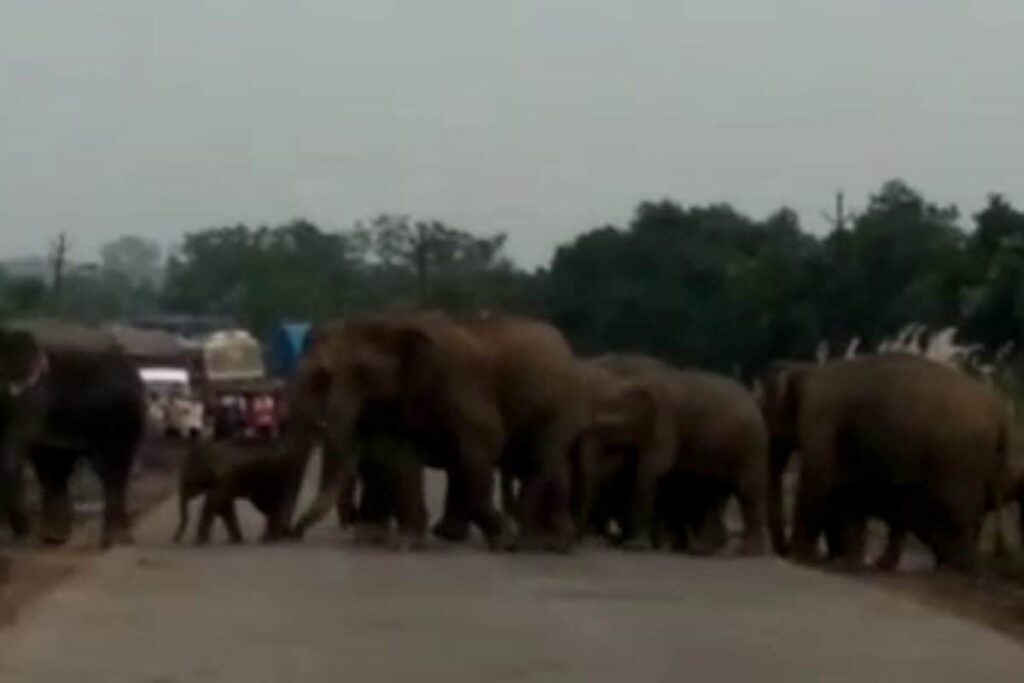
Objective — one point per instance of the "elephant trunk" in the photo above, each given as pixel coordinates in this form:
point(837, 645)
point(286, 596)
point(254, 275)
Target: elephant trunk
point(338, 465)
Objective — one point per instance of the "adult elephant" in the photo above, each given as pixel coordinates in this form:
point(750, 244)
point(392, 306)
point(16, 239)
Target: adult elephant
point(894, 436)
point(469, 392)
point(687, 441)
point(68, 393)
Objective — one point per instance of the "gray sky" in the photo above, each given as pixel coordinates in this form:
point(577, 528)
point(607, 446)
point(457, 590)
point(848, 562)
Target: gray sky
point(541, 118)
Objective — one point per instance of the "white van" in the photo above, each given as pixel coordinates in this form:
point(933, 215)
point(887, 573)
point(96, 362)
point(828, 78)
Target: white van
point(171, 407)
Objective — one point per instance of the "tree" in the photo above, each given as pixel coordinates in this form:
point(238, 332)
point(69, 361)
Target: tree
point(702, 286)
point(427, 263)
point(903, 261)
point(262, 275)
point(22, 296)
point(994, 304)
point(134, 257)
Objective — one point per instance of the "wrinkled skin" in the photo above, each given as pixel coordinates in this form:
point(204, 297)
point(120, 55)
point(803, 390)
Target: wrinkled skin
point(893, 436)
point(88, 403)
point(468, 394)
point(690, 441)
point(225, 471)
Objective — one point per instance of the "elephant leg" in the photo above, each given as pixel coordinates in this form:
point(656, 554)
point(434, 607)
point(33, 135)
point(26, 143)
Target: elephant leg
point(478, 452)
point(845, 527)
point(595, 516)
point(114, 473)
point(12, 494)
point(211, 503)
point(642, 499)
point(377, 503)
point(508, 493)
point(230, 517)
point(1020, 523)
point(1000, 547)
point(815, 492)
point(849, 536)
point(335, 473)
point(751, 495)
point(346, 504)
point(834, 538)
point(559, 504)
point(956, 547)
point(411, 507)
point(483, 513)
point(53, 470)
point(708, 526)
point(276, 507)
point(893, 553)
point(454, 524)
point(184, 496)
point(584, 488)
point(549, 506)
point(780, 453)
point(809, 520)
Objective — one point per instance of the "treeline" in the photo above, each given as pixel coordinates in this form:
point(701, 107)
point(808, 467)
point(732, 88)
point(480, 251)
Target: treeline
point(701, 285)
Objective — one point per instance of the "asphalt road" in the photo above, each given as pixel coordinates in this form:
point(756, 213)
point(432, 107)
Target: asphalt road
point(325, 611)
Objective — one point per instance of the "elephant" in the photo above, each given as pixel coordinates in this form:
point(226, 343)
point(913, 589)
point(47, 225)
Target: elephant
point(894, 436)
point(471, 394)
point(68, 393)
point(389, 481)
point(688, 510)
point(224, 471)
point(1010, 490)
point(689, 440)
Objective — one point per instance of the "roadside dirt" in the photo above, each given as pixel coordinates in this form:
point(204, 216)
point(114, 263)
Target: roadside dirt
point(990, 598)
point(29, 572)
point(994, 598)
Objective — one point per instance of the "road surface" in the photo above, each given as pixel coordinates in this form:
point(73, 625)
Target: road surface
point(324, 611)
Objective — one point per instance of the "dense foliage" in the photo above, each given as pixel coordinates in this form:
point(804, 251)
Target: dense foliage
point(701, 285)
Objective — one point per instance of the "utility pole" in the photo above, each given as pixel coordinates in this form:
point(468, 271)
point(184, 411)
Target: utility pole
point(840, 218)
point(420, 257)
point(58, 260)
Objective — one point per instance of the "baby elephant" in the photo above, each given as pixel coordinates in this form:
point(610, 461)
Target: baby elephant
point(224, 471)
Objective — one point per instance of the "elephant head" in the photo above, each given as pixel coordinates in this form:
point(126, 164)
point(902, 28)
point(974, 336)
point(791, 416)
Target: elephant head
point(22, 363)
point(350, 366)
point(347, 369)
point(621, 419)
point(23, 366)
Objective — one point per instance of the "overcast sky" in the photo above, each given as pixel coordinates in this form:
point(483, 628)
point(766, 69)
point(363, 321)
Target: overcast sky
point(540, 118)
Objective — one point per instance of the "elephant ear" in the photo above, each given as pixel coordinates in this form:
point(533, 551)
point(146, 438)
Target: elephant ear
point(391, 360)
point(23, 363)
point(628, 407)
point(640, 402)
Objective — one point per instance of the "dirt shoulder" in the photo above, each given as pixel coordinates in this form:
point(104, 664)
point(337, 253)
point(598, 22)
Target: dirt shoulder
point(994, 598)
point(30, 572)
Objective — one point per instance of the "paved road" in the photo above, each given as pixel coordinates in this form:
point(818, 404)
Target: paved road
point(319, 611)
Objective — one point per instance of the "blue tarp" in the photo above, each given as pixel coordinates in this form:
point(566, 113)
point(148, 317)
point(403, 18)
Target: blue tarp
point(285, 348)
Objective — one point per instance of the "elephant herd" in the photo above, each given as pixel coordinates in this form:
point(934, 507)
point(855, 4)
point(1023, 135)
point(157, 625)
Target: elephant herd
point(621, 446)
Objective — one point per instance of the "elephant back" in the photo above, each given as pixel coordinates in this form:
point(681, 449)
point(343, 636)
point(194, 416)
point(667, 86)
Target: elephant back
point(56, 336)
